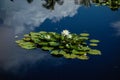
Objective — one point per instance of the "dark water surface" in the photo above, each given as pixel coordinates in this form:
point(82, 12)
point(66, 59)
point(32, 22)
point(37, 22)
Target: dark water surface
point(19, 17)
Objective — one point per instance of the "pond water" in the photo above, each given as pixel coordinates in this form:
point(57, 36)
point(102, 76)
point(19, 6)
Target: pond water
point(77, 16)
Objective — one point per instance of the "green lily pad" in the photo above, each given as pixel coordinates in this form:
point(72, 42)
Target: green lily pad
point(47, 48)
point(62, 52)
point(84, 34)
point(67, 56)
point(83, 57)
point(26, 45)
point(73, 56)
point(55, 52)
point(53, 44)
point(94, 52)
point(62, 37)
point(75, 52)
point(84, 43)
point(83, 38)
point(42, 32)
point(93, 44)
point(36, 40)
point(61, 47)
point(85, 48)
point(57, 36)
point(94, 41)
point(26, 35)
point(78, 52)
point(19, 41)
point(32, 34)
point(26, 39)
point(53, 33)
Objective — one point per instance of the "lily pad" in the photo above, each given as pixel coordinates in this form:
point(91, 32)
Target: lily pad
point(53, 44)
point(26, 35)
point(47, 48)
point(75, 51)
point(67, 55)
point(57, 36)
point(62, 52)
point(55, 52)
point(53, 33)
point(83, 38)
point(42, 32)
point(94, 41)
point(94, 52)
point(26, 45)
point(85, 48)
point(83, 57)
point(93, 44)
point(61, 47)
point(73, 56)
point(78, 52)
point(19, 41)
point(84, 34)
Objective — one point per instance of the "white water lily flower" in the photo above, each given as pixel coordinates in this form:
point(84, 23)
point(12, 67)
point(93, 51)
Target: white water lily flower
point(65, 32)
point(69, 36)
point(47, 36)
point(85, 54)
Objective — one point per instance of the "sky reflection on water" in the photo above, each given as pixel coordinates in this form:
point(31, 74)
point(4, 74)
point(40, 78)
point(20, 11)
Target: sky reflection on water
point(24, 15)
point(20, 17)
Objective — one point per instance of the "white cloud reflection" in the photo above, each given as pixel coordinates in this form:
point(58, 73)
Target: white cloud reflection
point(13, 57)
point(116, 25)
point(19, 16)
point(22, 15)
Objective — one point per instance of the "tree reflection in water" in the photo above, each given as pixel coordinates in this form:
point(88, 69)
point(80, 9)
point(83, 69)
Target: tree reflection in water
point(29, 1)
point(51, 3)
point(112, 4)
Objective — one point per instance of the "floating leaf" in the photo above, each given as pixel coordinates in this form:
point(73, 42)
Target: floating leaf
point(26, 45)
point(93, 44)
point(61, 47)
point(67, 55)
point(85, 48)
point(73, 56)
point(94, 52)
point(57, 36)
point(78, 52)
point(84, 34)
point(42, 32)
point(47, 48)
point(26, 39)
point(20, 41)
point(53, 33)
point(55, 52)
point(94, 41)
point(75, 51)
point(62, 52)
point(83, 38)
point(26, 35)
point(53, 44)
point(83, 57)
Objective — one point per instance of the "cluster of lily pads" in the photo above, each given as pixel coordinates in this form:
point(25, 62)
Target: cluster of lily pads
point(66, 44)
